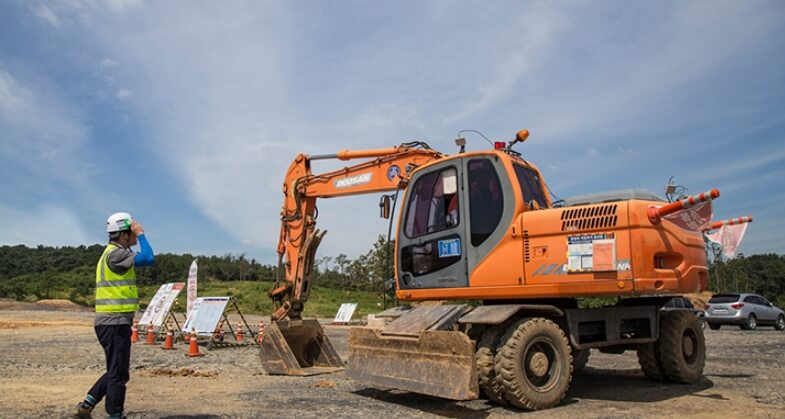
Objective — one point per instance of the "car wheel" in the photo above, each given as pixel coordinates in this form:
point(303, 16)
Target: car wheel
point(703, 323)
point(713, 326)
point(751, 323)
point(780, 324)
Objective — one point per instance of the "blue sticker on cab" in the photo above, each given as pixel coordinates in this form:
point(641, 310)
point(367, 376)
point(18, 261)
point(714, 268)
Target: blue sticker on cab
point(449, 248)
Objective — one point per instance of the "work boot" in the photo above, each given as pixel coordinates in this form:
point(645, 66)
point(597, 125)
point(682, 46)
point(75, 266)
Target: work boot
point(82, 412)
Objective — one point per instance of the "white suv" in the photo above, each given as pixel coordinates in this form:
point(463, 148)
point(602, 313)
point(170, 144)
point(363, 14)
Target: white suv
point(748, 311)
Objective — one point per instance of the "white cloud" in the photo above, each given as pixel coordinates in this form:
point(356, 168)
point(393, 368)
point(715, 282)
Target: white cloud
point(39, 130)
point(120, 6)
point(123, 94)
point(108, 63)
point(44, 12)
point(48, 225)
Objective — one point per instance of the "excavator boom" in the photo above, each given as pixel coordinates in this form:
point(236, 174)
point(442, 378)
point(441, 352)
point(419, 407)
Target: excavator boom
point(294, 346)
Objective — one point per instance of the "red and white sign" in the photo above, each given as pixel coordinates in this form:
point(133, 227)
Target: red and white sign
point(191, 288)
point(729, 237)
point(696, 218)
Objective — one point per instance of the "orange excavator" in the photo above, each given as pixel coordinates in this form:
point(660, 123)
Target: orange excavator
point(480, 227)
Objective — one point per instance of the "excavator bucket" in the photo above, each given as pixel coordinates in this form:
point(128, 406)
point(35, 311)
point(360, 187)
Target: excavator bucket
point(298, 347)
point(412, 354)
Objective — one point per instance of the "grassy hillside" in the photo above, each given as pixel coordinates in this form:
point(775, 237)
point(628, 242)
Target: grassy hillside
point(252, 297)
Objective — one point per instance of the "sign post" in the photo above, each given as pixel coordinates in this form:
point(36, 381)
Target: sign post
point(191, 296)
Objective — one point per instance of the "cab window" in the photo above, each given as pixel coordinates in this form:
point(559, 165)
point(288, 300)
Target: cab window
point(529, 182)
point(433, 203)
point(486, 203)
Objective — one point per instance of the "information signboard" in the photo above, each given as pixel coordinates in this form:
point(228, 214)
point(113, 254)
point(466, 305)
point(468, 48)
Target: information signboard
point(205, 315)
point(345, 313)
point(161, 304)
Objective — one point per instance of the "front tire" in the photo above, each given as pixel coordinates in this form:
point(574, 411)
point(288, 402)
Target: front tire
point(490, 385)
point(682, 347)
point(534, 364)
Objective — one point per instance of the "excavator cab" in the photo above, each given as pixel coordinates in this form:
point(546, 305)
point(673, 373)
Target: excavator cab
point(454, 213)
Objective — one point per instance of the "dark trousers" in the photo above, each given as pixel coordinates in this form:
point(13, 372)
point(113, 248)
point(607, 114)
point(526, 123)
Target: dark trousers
point(116, 341)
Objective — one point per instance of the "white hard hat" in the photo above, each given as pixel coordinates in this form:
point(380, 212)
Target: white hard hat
point(119, 221)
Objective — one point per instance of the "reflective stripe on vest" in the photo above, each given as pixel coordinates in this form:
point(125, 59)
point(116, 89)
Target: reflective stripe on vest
point(114, 293)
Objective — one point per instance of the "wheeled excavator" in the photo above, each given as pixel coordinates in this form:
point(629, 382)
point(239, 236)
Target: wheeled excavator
point(480, 228)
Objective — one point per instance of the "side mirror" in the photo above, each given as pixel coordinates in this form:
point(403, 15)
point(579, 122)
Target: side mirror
point(384, 207)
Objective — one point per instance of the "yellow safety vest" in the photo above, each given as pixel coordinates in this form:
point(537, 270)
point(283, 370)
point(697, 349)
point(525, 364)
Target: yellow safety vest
point(114, 293)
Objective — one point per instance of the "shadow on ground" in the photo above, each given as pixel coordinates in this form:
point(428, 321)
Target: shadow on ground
point(629, 386)
point(592, 384)
point(432, 405)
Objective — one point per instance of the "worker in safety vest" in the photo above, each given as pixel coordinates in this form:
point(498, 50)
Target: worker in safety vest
point(116, 302)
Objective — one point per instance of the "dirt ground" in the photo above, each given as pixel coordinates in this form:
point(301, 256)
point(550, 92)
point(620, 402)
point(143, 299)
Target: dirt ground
point(49, 359)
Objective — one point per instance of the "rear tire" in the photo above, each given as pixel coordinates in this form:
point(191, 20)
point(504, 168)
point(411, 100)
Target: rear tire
point(534, 364)
point(713, 326)
point(579, 359)
point(751, 323)
point(780, 323)
point(682, 347)
point(486, 375)
point(649, 360)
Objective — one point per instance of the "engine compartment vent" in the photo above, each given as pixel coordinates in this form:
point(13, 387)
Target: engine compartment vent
point(526, 255)
point(589, 217)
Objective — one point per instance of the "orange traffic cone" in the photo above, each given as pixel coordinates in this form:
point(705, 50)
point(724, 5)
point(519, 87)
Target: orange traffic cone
point(135, 332)
point(150, 336)
point(193, 348)
point(239, 334)
point(261, 332)
point(169, 341)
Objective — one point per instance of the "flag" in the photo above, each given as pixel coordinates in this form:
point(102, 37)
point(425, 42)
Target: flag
point(696, 218)
point(191, 297)
point(729, 237)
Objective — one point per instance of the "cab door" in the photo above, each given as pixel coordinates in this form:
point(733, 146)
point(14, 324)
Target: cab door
point(431, 245)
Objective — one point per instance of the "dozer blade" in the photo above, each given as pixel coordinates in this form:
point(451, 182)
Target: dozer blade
point(298, 347)
point(437, 363)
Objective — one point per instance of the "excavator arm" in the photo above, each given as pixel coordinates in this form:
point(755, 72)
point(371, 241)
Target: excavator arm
point(381, 170)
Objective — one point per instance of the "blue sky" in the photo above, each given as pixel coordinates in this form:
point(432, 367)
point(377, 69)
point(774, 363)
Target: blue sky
point(186, 114)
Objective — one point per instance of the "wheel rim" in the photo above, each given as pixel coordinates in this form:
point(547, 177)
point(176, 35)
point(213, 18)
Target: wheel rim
point(781, 322)
point(541, 365)
point(689, 344)
point(752, 322)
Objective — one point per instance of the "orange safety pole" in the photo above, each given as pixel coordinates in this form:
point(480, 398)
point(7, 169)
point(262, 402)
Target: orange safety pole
point(729, 222)
point(135, 332)
point(193, 348)
point(169, 341)
point(150, 335)
point(260, 335)
point(655, 213)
